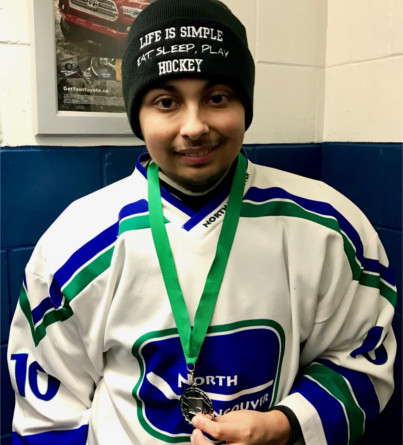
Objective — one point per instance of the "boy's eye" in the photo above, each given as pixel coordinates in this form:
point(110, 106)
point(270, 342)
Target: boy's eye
point(165, 103)
point(219, 99)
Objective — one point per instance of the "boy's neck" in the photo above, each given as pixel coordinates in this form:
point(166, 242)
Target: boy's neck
point(197, 200)
point(180, 188)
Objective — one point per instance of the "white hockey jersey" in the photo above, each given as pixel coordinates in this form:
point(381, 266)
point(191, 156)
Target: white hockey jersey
point(303, 317)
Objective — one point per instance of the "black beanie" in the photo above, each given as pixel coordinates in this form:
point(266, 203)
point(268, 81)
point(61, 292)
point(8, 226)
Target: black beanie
point(186, 38)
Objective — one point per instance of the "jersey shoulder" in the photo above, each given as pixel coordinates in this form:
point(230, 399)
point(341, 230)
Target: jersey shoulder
point(90, 220)
point(310, 194)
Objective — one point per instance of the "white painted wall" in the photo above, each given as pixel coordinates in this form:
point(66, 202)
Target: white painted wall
point(290, 54)
point(364, 76)
point(326, 70)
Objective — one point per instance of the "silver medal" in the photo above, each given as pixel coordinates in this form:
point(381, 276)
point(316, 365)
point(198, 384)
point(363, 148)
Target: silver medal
point(195, 401)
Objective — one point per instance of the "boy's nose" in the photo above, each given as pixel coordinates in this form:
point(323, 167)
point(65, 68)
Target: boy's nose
point(193, 123)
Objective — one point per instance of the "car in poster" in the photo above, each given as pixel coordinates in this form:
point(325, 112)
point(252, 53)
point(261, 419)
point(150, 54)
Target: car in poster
point(99, 20)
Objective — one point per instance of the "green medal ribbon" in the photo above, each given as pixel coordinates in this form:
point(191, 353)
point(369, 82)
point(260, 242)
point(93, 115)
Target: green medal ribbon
point(192, 339)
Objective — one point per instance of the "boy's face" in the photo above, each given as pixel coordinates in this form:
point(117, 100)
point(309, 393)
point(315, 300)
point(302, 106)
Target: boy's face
point(193, 130)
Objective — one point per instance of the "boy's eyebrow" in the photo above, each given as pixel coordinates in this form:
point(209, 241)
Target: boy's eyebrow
point(172, 88)
point(165, 86)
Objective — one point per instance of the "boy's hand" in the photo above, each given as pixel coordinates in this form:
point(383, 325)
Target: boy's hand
point(243, 428)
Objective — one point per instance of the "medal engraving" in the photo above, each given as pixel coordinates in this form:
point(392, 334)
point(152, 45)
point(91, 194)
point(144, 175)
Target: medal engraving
point(195, 401)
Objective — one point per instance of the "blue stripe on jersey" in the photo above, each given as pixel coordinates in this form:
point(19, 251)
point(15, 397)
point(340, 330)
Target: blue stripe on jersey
point(325, 209)
point(195, 217)
point(376, 267)
point(97, 244)
point(210, 207)
point(362, 387)
point(133, 208)
point(167, 196)
point(70, 437)
point(329, 409)
point(88, 251)
point(43, 307)
point(164, 193)
point(206, 210)
point(55, 294)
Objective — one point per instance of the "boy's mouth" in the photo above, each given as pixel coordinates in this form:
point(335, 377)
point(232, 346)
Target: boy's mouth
point(195, 152)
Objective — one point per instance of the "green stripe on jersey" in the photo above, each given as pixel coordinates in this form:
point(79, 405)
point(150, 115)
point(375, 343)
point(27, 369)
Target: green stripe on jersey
point(134, 223)
point(81, 280)
point(102, 262)
point(86, 275)
point(337, 386)
point(78, 283)
point(371, 280)
point(286, 208)
point(54, 315)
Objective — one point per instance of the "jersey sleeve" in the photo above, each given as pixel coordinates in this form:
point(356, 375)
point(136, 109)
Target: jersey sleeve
point(346, 376)
point(50, 368)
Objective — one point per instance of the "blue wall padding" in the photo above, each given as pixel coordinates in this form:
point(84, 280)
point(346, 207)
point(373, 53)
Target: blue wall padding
point(304, 159)
point(370, 175)
point(37, 183)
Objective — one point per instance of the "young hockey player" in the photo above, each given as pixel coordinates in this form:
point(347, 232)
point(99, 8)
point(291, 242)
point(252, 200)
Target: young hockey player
point(204, 297)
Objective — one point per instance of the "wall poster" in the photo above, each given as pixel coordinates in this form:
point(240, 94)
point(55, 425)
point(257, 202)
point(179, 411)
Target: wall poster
point(78, 49)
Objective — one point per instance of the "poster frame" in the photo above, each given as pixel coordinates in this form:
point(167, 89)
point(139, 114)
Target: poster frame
point(47, 117)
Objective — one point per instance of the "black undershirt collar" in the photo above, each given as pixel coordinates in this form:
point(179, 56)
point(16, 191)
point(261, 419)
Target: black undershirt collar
point(196, 202)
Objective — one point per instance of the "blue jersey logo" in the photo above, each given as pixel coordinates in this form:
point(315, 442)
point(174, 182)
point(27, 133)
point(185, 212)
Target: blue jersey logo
point(238, 368)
